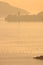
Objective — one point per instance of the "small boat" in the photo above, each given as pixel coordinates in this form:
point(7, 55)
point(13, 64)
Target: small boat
point(38, 57)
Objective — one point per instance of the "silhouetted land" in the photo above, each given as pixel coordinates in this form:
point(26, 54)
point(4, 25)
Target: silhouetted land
point(12, 13)
point(6, 9)
point(18, 17)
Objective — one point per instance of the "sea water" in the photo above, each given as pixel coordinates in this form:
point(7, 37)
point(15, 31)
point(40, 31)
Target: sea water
point(20, 42)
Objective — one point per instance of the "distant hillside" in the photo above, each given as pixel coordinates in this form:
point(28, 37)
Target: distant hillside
point(40, 13)
point(7, 9)
point(38, 17)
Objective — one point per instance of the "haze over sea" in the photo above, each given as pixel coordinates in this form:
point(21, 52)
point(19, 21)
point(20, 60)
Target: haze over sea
point(20, 42)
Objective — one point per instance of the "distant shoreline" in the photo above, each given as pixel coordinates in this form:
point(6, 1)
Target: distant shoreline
point(18, 17)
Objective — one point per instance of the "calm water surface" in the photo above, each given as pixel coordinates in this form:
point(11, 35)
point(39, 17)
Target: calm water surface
point(20, 40)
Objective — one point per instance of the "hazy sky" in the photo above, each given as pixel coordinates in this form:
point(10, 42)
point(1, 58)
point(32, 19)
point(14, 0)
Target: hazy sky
point(32, 6)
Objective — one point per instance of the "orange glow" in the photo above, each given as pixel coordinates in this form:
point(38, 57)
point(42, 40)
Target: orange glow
point(33, 6)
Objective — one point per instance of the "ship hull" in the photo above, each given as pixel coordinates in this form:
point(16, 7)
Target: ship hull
point(39, 57)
